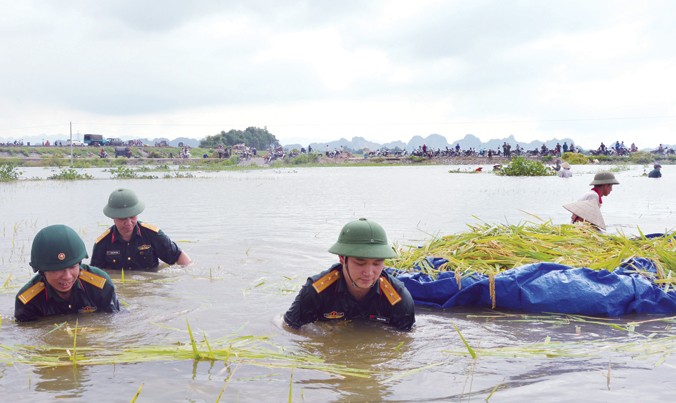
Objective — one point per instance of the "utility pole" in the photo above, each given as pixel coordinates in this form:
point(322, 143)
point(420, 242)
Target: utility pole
point(71, 143)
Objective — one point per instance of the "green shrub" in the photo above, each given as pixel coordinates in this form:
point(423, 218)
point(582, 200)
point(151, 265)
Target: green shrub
point(123, 172)
point(520, 166)
point(176, 174)
point(305, 159)
point(70, 174)
point(575, 158)
point(9, 172)
point(641, 157)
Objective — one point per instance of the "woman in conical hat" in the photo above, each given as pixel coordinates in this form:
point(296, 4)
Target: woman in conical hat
point(586, 211)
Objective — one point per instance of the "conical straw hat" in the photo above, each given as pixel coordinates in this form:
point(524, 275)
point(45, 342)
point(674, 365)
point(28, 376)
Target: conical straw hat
point(588, 210)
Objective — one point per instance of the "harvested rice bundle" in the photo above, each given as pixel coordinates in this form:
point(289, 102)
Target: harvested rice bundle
point(491, 249)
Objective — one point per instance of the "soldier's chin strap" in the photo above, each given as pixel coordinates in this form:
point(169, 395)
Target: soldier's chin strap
point(347, 269)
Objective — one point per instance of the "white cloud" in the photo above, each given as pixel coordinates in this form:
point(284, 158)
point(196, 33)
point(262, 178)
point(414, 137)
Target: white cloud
point(384, 70)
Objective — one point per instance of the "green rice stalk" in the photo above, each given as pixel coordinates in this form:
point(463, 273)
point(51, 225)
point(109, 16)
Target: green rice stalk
point(640, 349)
point(74, 356)
point(242, 350)
point(410, 372)
point(138, 393)
point(195, 353)
point(290, 399)
point(6, 283)
point(567, 319)
point(227, 382)
point(495, 389)
point(206, 342)
point(667, 319)
point(469, 348)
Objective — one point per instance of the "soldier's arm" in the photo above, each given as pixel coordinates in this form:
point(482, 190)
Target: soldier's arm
point(305, 308)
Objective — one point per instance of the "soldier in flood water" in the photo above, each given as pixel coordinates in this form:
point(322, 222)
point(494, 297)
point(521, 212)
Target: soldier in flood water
point(63, 284)
point(357, 287)
point(655, 173)
point(131, 244)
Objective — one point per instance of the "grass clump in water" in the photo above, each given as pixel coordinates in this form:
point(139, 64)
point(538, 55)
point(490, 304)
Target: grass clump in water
point(9, 173)
point(70, 174)
point(520, 166)
point(126, 172)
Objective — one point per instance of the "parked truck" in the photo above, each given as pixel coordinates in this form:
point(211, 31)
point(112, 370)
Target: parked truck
point(95, 140)
point(114, 141)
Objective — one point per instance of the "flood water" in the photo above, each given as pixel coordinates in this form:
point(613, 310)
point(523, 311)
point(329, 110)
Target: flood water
point(255, 236)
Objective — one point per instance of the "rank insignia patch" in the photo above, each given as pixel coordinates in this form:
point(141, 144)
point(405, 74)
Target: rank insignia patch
point(334, 315)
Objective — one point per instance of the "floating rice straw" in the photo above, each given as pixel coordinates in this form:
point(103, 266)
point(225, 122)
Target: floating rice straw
point(242, 350)
point(138, 393)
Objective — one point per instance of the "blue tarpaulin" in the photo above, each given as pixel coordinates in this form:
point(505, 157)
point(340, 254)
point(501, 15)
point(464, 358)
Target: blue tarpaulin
point(548, 287)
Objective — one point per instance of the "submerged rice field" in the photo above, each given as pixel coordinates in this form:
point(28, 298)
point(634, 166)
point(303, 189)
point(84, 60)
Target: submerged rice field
point(212, 331)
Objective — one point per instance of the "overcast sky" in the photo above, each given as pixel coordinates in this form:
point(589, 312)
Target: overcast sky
point(315, 71)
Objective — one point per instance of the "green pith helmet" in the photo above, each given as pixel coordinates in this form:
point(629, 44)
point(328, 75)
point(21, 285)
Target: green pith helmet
point(123, 203)
point(56, 247)
point(363, 238)
point(604, 178)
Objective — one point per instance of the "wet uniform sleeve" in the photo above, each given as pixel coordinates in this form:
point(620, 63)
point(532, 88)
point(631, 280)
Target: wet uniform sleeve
point(106, 298)
point(403, 313)
point(26, 312)
point(166, 249)
point(305, 308)
point(109, 302)
point(99, 254)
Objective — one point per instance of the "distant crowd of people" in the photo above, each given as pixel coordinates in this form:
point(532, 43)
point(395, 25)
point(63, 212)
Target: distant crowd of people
point(507, 150)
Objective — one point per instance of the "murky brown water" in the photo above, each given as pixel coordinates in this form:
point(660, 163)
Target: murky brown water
point(255, 236)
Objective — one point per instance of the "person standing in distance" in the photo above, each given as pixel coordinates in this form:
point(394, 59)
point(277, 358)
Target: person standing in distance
point(63, 284)
point(565, 171)
point(131, 244)
point(357, 288)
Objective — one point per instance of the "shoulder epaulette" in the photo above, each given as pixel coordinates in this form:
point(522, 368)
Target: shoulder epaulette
point(150, 227)
point(326, 280)
point(93, 279)
point(31, 292)
point(105, 234)
point(390, 293)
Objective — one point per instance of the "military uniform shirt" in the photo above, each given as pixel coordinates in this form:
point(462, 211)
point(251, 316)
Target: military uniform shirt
point(336, 303)
point(93, 291)
point(147, 246)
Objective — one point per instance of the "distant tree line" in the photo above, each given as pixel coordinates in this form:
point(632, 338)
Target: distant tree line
point(262, 139)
